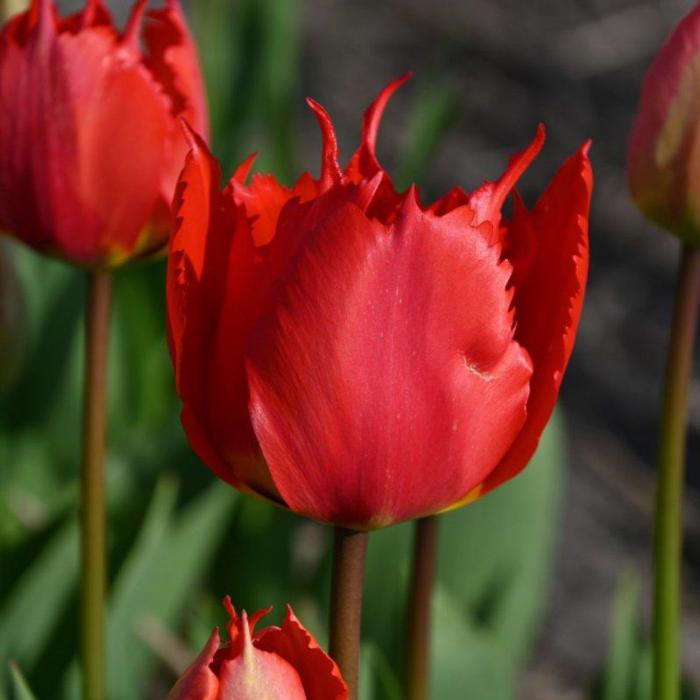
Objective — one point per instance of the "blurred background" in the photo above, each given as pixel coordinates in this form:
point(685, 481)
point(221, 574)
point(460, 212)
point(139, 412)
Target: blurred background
point(543, 586)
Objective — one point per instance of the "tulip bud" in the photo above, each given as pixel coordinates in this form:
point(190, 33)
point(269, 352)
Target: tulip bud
point(277, 663)
point(90, 137)
point(664, 152)
point(358, 356)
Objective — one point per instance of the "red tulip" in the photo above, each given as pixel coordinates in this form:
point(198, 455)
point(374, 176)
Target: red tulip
point(90, 138)
point(362, 358)
point(277, 663)
point(664, 154)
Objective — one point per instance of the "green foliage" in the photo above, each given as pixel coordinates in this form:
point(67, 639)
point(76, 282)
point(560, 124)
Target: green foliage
point(20, 690)
point(627, 675)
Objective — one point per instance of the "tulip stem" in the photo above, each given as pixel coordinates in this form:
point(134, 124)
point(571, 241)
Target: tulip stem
point(418, 612)
point(349, 554)
point(92, 517)
point(669, 498)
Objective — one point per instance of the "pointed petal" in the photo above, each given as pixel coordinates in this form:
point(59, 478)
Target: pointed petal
point(319, 674)
point(198, 682)
point(488, 200)
point(243, 170)
point(548, 296)
point(95, 14)
point(364, 163)
point(253, 674)
point(46, 16)
point(330, 170)
point(386, 383)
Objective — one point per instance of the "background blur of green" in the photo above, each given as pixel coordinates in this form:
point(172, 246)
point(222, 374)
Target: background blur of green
point(180, 540)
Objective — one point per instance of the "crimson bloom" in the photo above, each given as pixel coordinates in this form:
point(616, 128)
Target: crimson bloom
point(90, 139)
point(664, 153)
point(358, 356)
point(277, 663)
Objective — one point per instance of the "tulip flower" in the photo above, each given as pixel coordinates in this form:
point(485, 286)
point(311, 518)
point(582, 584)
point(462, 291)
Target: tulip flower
point(90, 139)
point(664, 153)
point(277, 663)
point(358, 356)
point(664, 177)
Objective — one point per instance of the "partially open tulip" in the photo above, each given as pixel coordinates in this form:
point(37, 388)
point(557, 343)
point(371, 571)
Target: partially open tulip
point(90, 138)
point(664, 153)
point(277, 663)
point(361, 357)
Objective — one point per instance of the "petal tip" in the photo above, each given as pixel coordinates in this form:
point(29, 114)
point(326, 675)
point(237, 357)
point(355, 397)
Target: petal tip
point(330, 170)
point(130, 37)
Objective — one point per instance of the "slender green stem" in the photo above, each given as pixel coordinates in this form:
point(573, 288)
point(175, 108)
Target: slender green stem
point(668, 534)
point(420, 607)
point(349, 554)
point(93, 519)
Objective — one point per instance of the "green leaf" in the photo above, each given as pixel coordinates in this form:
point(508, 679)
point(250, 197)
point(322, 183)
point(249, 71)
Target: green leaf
point(31, 609)
point(495, 554)
point(377, 679)
point(170, 557)
point(466, 661)
point(19, 687)
point(623, 661)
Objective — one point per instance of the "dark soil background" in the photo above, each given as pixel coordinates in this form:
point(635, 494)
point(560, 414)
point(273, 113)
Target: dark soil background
point(576, 65)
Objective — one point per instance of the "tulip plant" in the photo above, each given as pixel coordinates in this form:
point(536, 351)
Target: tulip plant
point(342, 349)
point(91, 146)
point(664, 172)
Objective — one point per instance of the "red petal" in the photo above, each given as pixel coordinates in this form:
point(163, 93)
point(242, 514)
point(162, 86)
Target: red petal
point(330, 170)
point(198, 258)
point(80, 123)
point(386, 382)
point(296, 645)
point(131, 36)
point(254, 674)
point(211, 297)
point(235, 626)
point(244, 292)
point(198, 682)
point(488, 200)
point(364, 164)
point(549, 295)
point(171, 56)
point(94, 14)
point(263, 200)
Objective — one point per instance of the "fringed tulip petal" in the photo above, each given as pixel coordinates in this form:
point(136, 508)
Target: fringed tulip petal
point(375, 397)
point(209, 234)
point(295, 644)
point(171, 56)
point(549, 250)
